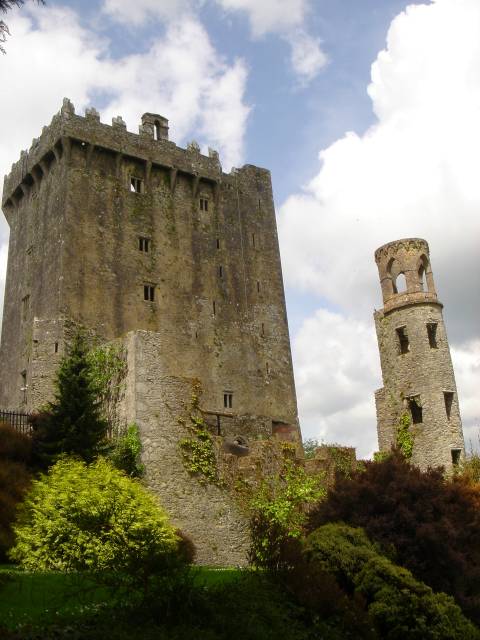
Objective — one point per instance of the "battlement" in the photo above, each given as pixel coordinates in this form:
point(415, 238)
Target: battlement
point(150, 145)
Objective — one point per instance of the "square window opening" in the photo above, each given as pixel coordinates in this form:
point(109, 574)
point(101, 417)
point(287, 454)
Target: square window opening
point(136, 185)
point(448, 398)
point(148, 293)
point(432, 334)
point(403, 342)
point(143, 244)
point(416, 410)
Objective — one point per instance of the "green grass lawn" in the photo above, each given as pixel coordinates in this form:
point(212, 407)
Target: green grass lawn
point(36, 598)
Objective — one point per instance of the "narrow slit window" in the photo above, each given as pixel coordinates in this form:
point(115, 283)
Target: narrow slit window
point(24, 386)
point(263, 328)
point(218, 243)
point(456, 456)
point(203, 204)
point(214, 308)
point(415, 409)
point(267, 367)
point(227, 400)
point(55, 348)
point(144, 244)
point(220, 272)
point(136, 185)
point(25, 307)
point(432, 334)
point(403, 342)
point(448, 398)
point(253, 240)
point(258, 286)
point(148, 293)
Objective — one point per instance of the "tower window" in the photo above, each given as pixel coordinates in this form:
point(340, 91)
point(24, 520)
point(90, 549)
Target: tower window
point(203, 203)
point(263, 328)
point(403, 343)
point(267, 367)
point(432, 334)
point(227, 399)
point(220, 272)
point(148, 293)
point(136, 185)
point(25, 307)
point(144, 244)
point(214, 308)
point(253, 240)
point(448, 398)
point(456, 455)
point(218, 243)
point(415, 409)
point(258, 286)
point(55, 348)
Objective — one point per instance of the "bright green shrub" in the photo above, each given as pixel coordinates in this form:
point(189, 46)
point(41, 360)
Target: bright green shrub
point(400, 605)
point(126, 452)
point(93, 518)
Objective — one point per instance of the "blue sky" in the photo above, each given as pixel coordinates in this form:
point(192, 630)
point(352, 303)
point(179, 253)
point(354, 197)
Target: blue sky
point(359, 155)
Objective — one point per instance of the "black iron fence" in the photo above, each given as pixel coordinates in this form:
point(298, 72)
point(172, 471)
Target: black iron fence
point(19, 421)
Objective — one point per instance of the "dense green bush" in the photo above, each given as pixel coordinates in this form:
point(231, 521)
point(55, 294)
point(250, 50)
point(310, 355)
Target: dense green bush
point(400, 606)
point(423, 521)
point(15, 478)
point(73, 422)
point(125, 454)
point(94, 518)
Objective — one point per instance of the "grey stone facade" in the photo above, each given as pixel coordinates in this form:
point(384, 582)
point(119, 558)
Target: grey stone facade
point(154, 247)
point(415, 358)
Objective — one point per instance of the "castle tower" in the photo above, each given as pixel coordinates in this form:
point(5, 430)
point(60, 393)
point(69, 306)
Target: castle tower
point(153, 247)
point(415, 358)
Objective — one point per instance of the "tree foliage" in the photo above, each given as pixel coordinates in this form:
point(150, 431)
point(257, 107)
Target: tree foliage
point(15, 478)
point(126, 452)
point(425, 522)
point(94, 518)
point(399, 605)
point(6, 5)
point(72, 423)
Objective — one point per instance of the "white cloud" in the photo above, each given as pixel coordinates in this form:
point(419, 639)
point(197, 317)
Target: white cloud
point(181, 76)
point(270, 16)
point(136, 14)
point(415, 173)
point(307, 57)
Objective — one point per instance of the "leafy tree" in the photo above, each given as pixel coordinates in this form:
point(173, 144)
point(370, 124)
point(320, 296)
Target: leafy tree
point(15, 478)
point(6, 5)
point(425, 522)
point(72, 423)
point(94, 518)
point(400, 606)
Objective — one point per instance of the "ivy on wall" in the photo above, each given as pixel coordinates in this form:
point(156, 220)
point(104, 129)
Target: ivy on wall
point(108, 368)
point(405, 438)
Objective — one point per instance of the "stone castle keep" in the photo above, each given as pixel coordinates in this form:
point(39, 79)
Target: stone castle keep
point(417, 370)
point(154, 250)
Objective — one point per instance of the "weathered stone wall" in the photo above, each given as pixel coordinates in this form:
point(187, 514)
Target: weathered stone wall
point(424, 370)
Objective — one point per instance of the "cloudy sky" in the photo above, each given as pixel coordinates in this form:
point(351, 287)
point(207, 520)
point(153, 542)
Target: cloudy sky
point(367, 113)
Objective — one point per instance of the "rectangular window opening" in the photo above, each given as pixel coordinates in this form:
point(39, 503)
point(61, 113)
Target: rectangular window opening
point(136, 185)
point(258, 286)
point(448, 397)
point(432, 334)
point(203, 203)
point(218, 243)
point(144, 244)
point(253, 240)
point(55, 348)
point(263, 329)
point(220, 272)
point(403, 343)
point(415, 409)
point(148, 293)
point(267, 367)
point(456, 456)
point(227, 400)
point(214, 308)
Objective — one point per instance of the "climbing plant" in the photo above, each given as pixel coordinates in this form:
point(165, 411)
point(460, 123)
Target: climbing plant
point(405, 438)
point(108, 368)
point(198, 450)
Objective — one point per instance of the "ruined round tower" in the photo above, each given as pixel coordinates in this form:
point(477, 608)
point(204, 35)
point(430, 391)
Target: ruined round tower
point(417, 370)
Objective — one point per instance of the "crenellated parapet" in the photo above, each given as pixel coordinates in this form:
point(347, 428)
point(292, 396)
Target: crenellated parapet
point(151, 145)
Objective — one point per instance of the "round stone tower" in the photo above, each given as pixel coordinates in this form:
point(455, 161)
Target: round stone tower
point(417, 370)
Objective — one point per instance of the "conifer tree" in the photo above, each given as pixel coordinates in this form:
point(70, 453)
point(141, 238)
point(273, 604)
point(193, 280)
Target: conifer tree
point(72, 423)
